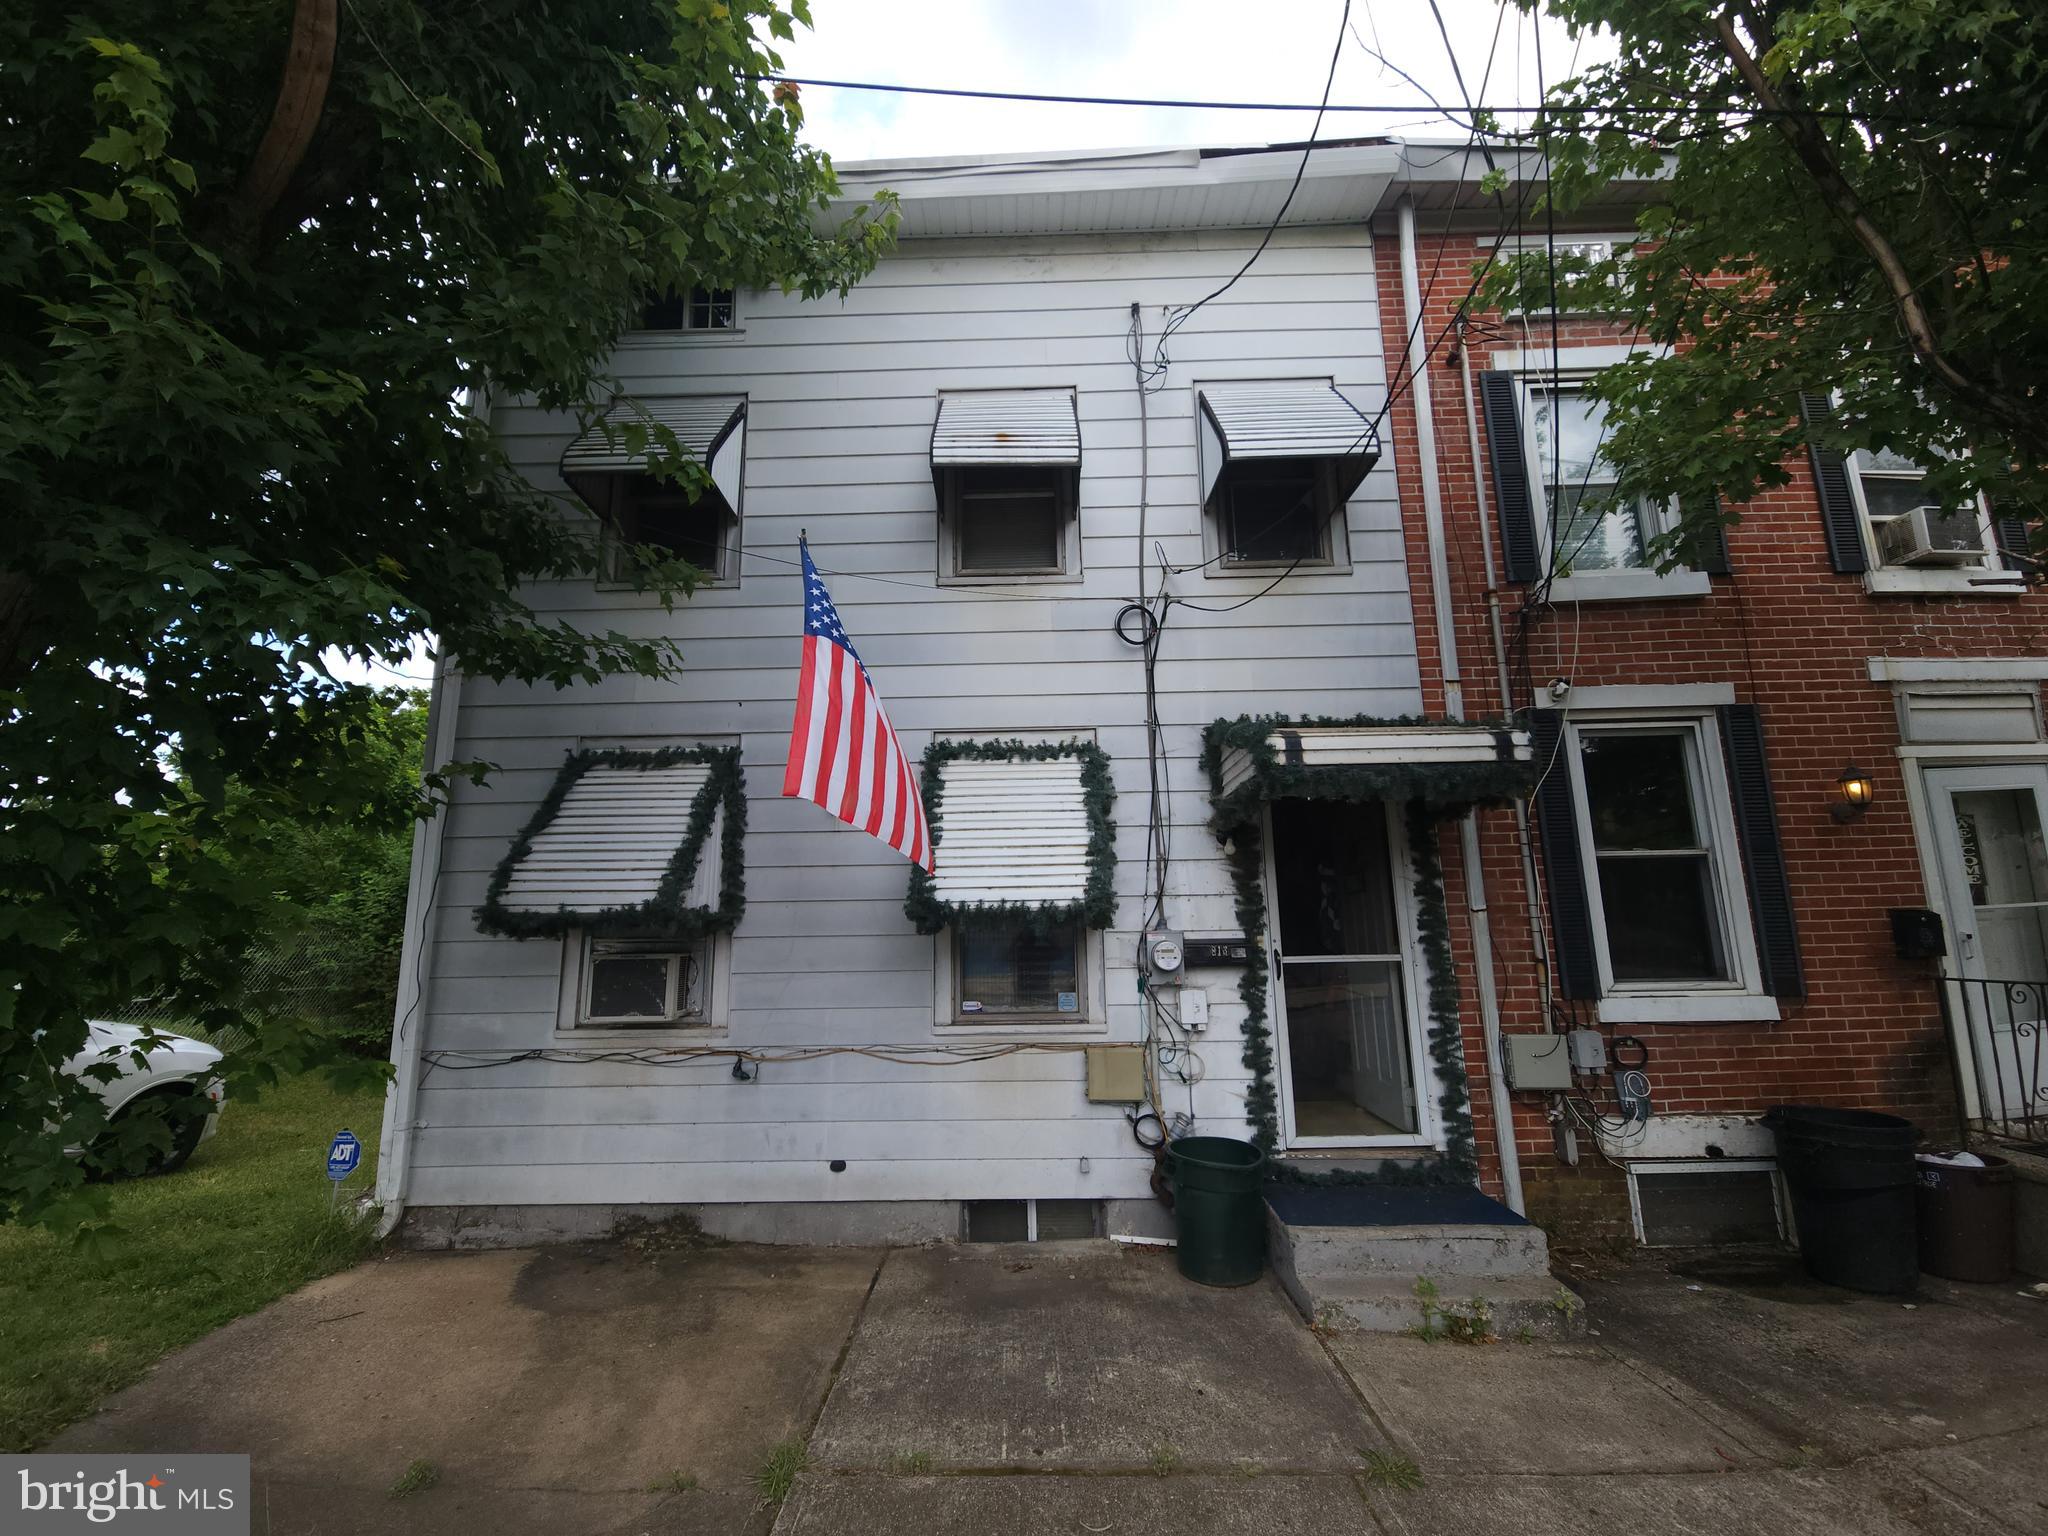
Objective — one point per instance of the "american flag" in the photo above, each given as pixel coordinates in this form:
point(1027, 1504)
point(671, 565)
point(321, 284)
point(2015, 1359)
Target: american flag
point(843, 754)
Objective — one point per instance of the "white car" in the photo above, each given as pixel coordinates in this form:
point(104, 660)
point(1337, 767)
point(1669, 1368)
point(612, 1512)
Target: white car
point(173, 1071)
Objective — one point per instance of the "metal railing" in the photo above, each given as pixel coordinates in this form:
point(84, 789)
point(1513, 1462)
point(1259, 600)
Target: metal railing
point(2005, 1022)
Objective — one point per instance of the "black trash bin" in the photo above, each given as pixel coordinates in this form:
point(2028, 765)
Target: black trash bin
point(1966, 1219)
point(1220, 1206)
point(1851, 1176)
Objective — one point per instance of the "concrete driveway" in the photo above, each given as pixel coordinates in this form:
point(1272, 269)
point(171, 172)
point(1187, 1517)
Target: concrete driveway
point(624, 1388)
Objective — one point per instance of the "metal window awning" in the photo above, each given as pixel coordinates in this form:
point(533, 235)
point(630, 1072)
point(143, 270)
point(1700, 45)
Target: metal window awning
point(1446, 764)
point(1006, 428)
point(1011, 832)
point(1283, 419)
point(608, 843)
point(711, 428)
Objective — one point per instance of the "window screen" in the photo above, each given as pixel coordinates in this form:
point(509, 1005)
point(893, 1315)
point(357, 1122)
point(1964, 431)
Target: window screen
point(997, 1221)
point(1008, 522)
point(1692, 1209)
point(1008, 968)
point(648, 511)
point(1274, 513)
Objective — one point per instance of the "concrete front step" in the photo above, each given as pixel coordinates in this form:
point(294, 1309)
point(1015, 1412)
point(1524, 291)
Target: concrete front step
point(1322, 1255)
point(1508, 1307)
point(1415, 1259)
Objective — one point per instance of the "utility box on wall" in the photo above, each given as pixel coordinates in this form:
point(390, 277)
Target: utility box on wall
point(1537, 1063)
point(1116, 1074)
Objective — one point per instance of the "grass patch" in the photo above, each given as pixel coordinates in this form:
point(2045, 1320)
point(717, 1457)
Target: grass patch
point(1165, 1459)
point(240, 1225)
point(779, 1472)
point(675, 1482)
point(911, 1463)
point(419, 1475)
point(1385, 1469)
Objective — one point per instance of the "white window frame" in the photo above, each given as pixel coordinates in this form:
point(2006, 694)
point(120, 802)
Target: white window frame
point(1424, 1079)
point(1620, 585)
point(637, 336)
point(1335, 554)
point(1741, 997)
point(713, 954)
point(1067, 511)
point(1092, 1019)
point(1968, 579)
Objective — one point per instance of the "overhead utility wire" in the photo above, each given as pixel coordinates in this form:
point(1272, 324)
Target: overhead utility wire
point(1497, 109)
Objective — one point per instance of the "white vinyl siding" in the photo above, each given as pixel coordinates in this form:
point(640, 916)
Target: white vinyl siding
point(841, 399)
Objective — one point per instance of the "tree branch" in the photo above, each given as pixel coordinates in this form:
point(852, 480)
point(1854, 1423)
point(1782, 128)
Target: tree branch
point(301, 97)
point(1803, 133)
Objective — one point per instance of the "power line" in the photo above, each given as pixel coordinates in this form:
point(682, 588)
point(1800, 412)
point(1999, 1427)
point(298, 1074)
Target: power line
point(1712, 109)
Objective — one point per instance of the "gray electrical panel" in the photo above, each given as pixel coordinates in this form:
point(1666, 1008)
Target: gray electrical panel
point(1537, 1063)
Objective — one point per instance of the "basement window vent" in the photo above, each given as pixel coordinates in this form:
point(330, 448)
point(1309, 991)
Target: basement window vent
point(1031, 1221)
point(1690, 1205)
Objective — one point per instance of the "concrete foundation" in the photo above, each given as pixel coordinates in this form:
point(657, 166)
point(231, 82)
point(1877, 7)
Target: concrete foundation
point(808, 1223)
point(2029, 1207)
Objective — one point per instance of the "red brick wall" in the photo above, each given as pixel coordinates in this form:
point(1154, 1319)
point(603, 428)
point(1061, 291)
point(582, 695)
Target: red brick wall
point(1792, 637)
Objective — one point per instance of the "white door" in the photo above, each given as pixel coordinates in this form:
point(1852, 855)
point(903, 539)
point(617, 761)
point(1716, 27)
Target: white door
point(1988, 827)
point(1351, 1073)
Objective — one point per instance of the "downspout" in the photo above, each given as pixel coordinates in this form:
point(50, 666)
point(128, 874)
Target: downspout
point(409, 1020)
point(1454, 706)
point(1532, 893)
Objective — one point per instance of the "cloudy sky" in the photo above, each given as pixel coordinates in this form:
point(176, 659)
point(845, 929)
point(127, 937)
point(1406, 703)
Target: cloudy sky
point(1182, 49)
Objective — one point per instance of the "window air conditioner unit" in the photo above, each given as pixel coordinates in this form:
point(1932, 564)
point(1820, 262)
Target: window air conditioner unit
point(1930, 535)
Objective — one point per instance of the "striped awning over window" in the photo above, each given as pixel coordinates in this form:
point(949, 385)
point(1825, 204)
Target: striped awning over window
point(1012, 831)
point(1283, 419)
point(711, 428)
point(625, 840)
point(1006, 427)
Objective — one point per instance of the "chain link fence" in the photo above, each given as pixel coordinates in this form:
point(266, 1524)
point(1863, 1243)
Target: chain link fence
point(323, 982)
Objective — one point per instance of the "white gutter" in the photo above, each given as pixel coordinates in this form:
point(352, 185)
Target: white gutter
point(409, 1020)
point(1454, 706)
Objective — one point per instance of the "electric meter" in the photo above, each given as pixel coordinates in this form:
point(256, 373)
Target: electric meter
point(1163, 955)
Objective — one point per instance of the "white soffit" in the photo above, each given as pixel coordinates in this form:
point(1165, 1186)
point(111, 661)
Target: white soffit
point(1012, 831)
point(711, 428)
point(1282, 419)
point(1350, 746)
point(612, 840)
point(1007, 426)
point(1115, 191)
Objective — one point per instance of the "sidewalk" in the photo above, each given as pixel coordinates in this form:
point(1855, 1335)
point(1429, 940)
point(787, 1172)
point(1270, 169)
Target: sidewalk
point(1086, 1387)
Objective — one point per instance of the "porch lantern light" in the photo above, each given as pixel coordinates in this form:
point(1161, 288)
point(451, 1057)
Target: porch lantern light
point(1857, 792)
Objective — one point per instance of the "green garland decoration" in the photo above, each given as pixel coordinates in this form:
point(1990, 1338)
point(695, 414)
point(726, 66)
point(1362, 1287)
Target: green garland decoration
point(1430, 793)
point(1097, 904)
point(1274, 778)
point(664, 913)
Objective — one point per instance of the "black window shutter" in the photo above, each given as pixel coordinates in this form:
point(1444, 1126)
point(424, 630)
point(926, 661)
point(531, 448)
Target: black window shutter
point(1763, 857)
point(1557, 817)
point(2011, 532)
point(1502, 410)
point(1838, 518)
point(1706, 549)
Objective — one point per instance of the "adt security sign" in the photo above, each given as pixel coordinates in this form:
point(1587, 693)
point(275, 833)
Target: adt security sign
point(343, 1155)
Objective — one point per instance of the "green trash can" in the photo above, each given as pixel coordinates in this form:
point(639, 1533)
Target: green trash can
point(1220, 1205)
